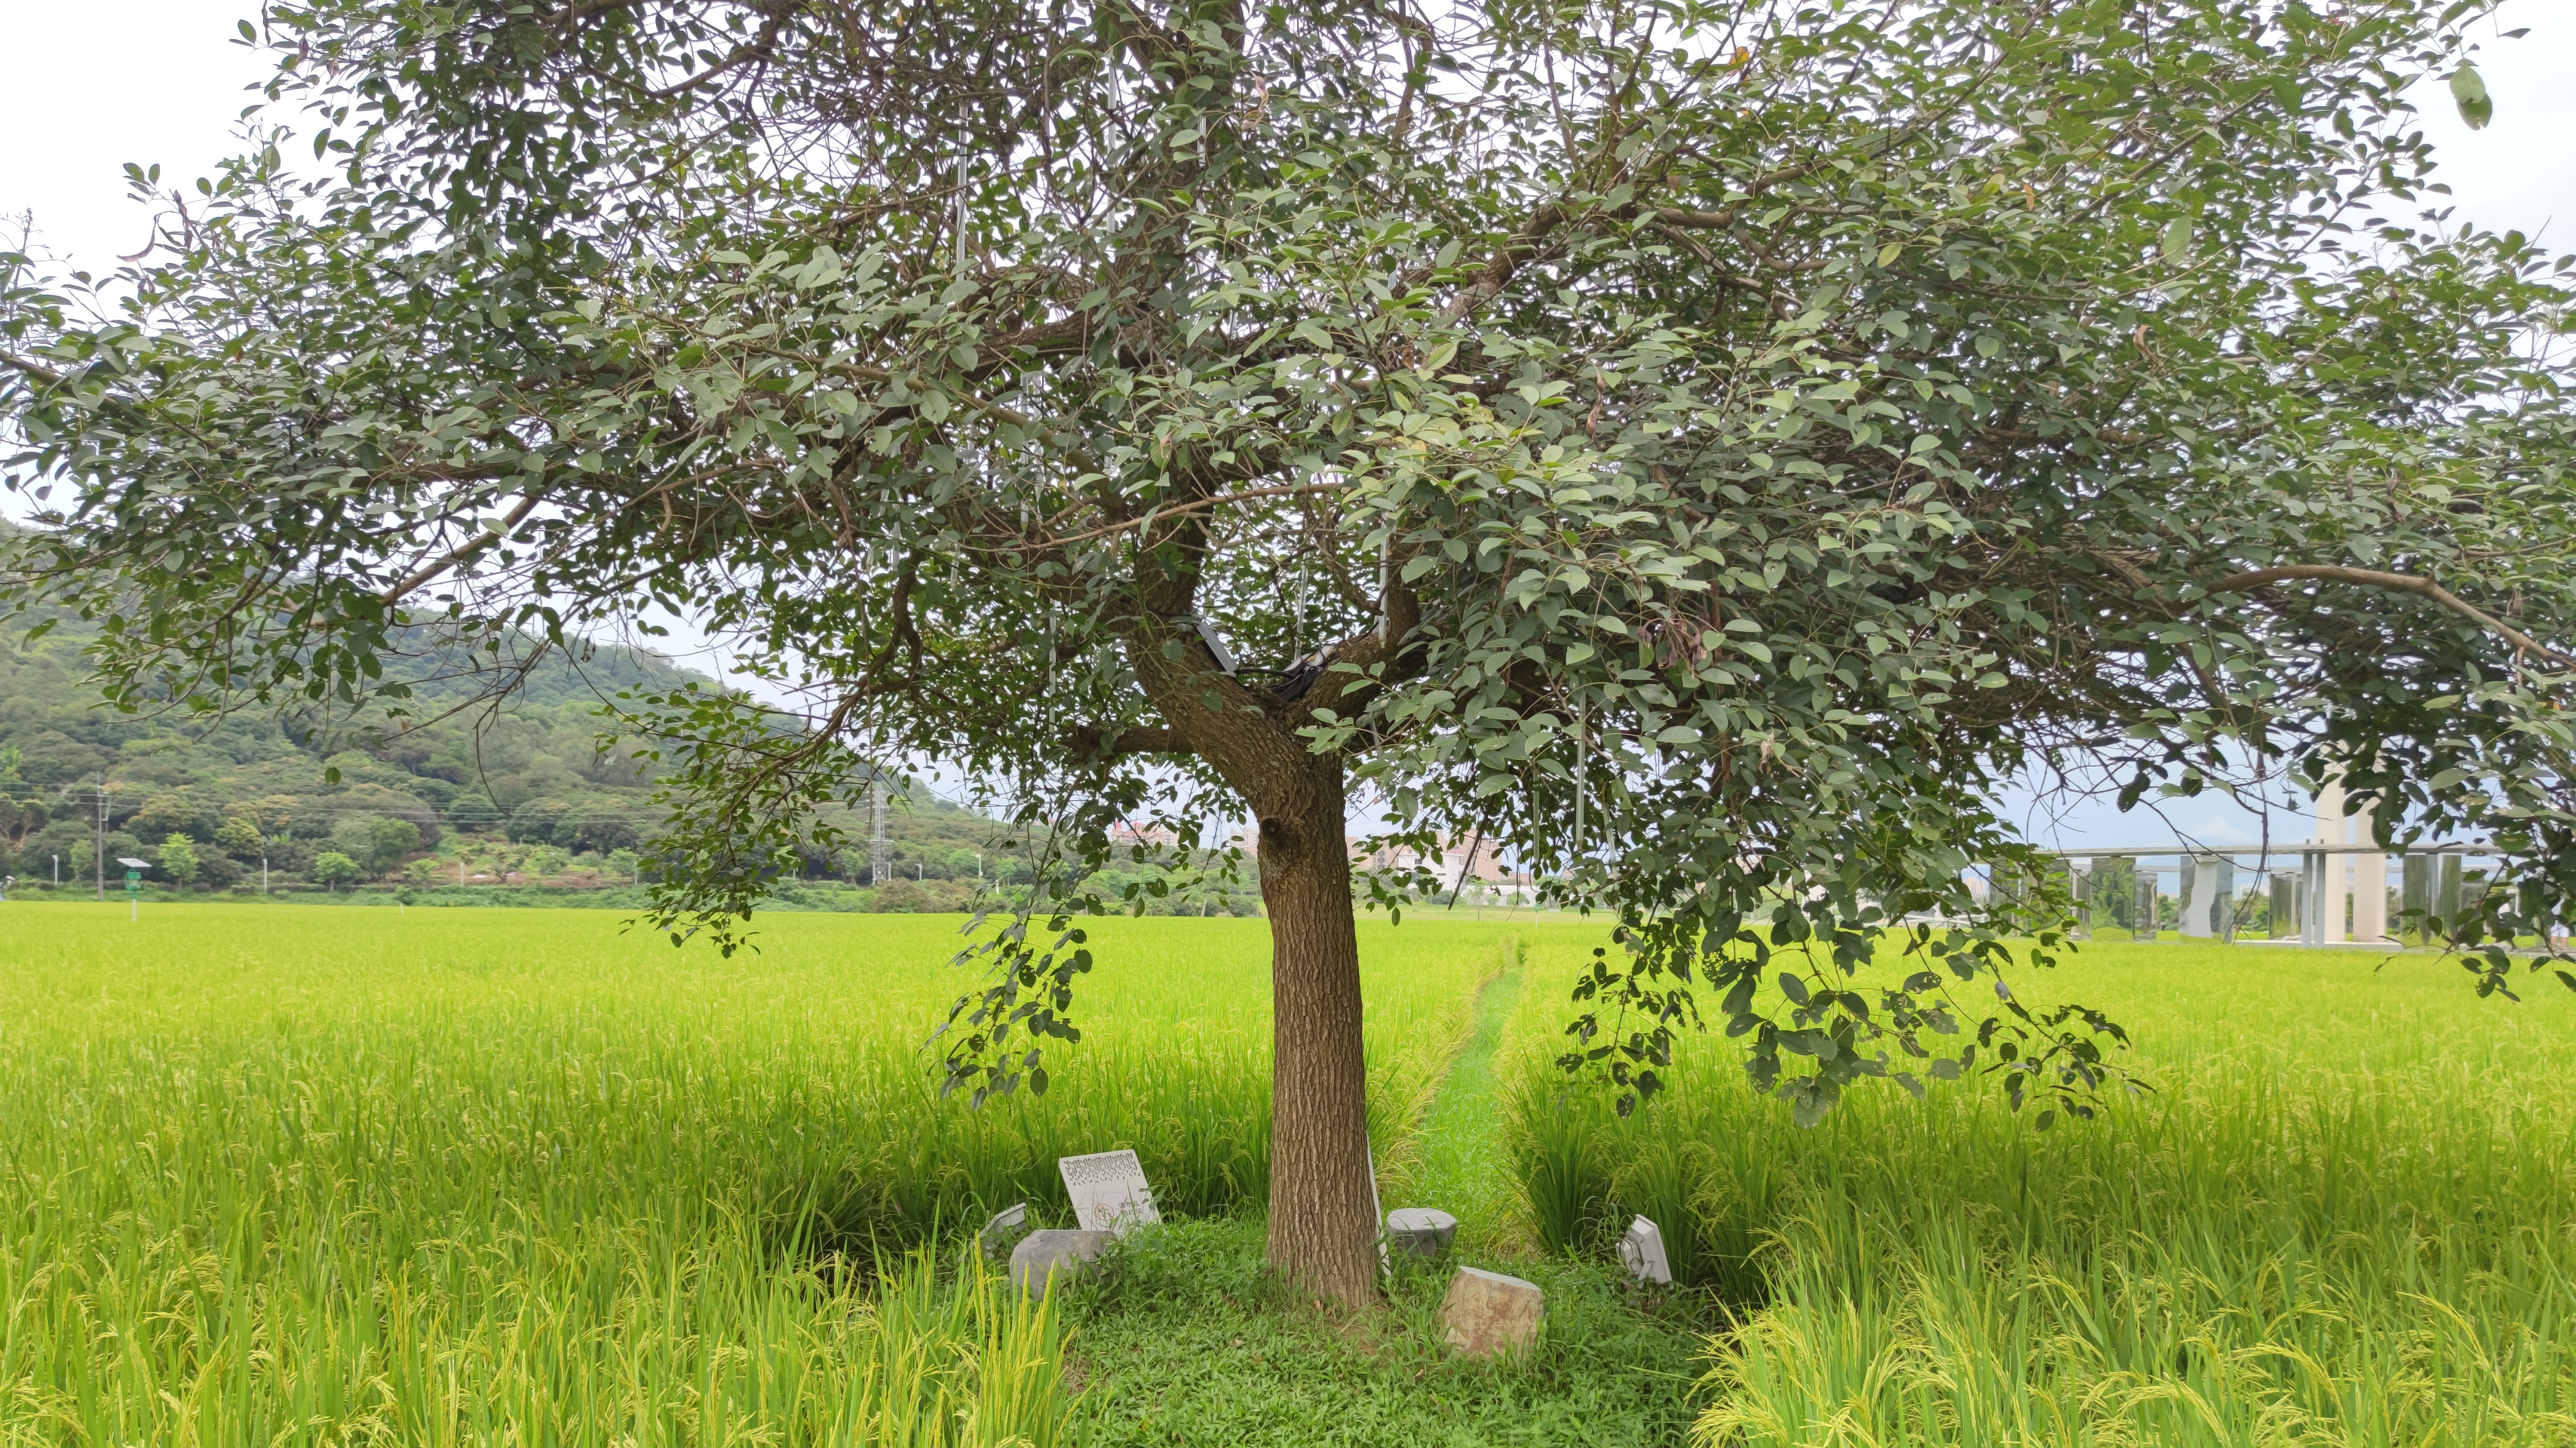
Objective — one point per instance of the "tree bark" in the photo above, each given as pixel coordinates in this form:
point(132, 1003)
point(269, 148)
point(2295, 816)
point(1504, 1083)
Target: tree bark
point(1323, 1221)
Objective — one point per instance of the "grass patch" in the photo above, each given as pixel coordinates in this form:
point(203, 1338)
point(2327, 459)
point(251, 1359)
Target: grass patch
point(1192, 1343)
point(1460, 1165)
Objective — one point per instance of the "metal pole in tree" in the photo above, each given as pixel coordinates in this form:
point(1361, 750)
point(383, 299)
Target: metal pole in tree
point(1582, 770)
point(880, 856)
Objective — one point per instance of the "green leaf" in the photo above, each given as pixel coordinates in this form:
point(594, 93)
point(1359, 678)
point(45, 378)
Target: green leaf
point(2469, 92)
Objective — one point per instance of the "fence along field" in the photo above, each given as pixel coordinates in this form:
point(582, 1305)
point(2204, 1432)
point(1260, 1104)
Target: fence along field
point(2345, 1215)
point(308, 1176)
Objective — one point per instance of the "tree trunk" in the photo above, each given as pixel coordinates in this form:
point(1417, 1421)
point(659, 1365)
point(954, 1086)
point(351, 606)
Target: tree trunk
point(1323, 1222)
point(1323, 1219)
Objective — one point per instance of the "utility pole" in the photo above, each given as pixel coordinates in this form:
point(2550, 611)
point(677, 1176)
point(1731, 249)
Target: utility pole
point(98, 856)
point(880, 855)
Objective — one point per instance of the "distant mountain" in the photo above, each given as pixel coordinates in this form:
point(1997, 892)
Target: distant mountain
point(509, 794)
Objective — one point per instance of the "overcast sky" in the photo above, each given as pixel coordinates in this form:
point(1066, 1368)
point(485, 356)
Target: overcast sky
point(97, 83)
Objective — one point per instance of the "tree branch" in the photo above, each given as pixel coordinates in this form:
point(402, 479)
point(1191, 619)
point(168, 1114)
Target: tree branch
point(1130, 741)
point(1158, 515)
point(2400, 582)
point(461, 552)
point(1357, 667)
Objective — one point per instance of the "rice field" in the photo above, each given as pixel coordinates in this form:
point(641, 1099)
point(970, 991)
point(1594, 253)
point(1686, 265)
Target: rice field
point(311, 1176)
point(2345, 1215)
point(289, 1176)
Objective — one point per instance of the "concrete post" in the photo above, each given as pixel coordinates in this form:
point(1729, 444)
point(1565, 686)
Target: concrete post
point(2209, 902)
point(880, 854)
point(2446, 899)
point(2332, 829)
point(2415, 896)
point(2314, 870)
point(2369, 881)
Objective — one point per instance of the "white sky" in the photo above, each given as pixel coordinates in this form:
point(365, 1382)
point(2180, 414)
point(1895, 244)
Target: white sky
point(98, 83)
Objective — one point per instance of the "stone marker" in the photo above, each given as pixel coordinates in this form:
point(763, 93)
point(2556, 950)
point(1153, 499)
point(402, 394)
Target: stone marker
point(2448, 897)
point(1377, 1214)
point(2414, 896)
point(1109, 1192)
point(1420, 1231)
point(1643, 1252)
point(2209, 898)
point(1004, 1231)
point(1068, 1255)
point(1487, 1313)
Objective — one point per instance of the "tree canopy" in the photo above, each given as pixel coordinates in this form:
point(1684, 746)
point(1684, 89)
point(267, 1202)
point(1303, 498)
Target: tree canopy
point(1708, 447)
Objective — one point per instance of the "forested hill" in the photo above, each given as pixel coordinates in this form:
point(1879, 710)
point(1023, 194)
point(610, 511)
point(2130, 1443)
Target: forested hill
point(514, 796)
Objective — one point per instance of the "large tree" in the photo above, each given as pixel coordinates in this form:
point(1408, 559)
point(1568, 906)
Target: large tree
point(1707, 448)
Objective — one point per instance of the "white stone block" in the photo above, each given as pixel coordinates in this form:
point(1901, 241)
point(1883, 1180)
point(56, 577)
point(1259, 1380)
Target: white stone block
point(1642, 1250)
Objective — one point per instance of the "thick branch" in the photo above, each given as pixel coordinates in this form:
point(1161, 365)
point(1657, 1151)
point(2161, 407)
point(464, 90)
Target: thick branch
point(1163, 514)
point(2402, 583)
point(462, 552)
point(1102, 743)
point(1505, 263)
point(1352, 668)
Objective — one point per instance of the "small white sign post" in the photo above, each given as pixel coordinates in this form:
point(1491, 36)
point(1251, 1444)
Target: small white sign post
point(1642, 1250)
point(1109, 1192)
point(1004, 1231)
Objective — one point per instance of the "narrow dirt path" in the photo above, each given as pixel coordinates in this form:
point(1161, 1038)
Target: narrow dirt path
point(1460, 1167)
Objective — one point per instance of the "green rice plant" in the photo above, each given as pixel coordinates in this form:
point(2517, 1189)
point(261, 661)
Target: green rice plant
point(1656, 1176)
point(1560, 1141)
point(2344, 1214)
point(969, 1363)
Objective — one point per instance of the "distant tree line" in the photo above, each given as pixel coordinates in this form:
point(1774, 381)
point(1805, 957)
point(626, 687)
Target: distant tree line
point(518, 798)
